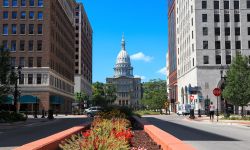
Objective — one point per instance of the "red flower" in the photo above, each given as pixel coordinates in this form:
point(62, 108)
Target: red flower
point(86, 134)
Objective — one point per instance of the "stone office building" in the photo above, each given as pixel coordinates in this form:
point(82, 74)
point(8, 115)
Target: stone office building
point(128, 88)
point(40, 37)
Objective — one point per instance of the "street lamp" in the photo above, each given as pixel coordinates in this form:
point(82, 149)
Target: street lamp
point(223, 78)
point(16, 92)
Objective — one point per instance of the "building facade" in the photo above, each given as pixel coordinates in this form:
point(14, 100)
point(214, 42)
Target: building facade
point(172, 56)
point(208, 35)
point(83, 51)
point(40, 37)
point(128, 88)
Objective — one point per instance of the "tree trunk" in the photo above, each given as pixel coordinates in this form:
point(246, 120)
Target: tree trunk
point(242, 111)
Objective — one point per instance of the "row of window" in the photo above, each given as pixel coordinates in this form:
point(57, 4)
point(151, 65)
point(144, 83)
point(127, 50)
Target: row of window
point(22, 29)
point(226, 18)
point(123, 102)
point(217, 31)
point(217, 59)
point(23, 15)
point(22, 45)
point(227, 45)
point(30, 79)
point(30, 61)
point(226, 4)
point(23, 3)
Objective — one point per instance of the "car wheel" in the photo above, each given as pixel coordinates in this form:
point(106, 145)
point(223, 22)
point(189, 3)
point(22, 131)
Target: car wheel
point(89, 115)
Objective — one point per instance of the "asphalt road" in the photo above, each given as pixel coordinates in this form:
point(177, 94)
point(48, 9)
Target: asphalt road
point(11, 138)
point(204, 136)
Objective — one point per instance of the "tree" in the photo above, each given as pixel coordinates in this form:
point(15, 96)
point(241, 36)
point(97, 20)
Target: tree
point(81, 97)
point(98, 97)
point(154, 94)
point(237, 86)
point(7, 76)
point(110, 93)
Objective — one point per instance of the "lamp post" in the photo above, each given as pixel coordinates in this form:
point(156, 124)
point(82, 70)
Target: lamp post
point(16, 92)
point(225, 102)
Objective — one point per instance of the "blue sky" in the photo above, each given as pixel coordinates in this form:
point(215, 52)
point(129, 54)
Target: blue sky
point(144, 23)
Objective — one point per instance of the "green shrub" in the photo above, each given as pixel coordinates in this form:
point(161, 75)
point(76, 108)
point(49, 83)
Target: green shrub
point(7, 116)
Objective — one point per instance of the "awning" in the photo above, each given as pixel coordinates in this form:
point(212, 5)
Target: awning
point(29, 99)
point(8, 100)
point(56, 100)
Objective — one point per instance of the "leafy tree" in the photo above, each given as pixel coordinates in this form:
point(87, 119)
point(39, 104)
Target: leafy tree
point(7, 76)
point(81, 97)
point(110, 93)
point(237, 87)
point(154, 94)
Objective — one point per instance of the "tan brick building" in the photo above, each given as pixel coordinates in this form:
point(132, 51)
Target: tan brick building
point(40, 36)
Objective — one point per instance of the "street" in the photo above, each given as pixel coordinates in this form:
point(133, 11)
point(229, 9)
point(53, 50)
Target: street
point(11, 138)
point(204, 136)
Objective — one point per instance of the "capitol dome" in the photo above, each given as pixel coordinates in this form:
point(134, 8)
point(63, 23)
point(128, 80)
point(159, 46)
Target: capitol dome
point(123, 65)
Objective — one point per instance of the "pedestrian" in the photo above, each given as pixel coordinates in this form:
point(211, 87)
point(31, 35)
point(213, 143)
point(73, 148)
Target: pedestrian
point(211, 111)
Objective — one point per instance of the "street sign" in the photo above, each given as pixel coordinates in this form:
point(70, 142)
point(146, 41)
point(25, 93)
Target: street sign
point(217, 92)
point(192, 97)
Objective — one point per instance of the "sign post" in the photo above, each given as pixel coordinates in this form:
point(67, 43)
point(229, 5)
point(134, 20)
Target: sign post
point(217, 93)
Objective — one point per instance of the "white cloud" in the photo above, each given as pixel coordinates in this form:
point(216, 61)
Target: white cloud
point(163, 71)
point(141, 56)
point(142, 77)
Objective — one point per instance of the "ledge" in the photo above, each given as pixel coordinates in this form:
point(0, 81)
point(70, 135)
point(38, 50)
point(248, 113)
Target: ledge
point(52, 142)
point(166, 140)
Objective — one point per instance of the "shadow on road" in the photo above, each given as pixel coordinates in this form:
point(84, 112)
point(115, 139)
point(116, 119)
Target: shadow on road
point(24, 135)
point(187, 133)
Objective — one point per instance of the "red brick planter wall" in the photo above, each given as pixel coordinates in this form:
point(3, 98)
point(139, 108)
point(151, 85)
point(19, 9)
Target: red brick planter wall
point(52, 142)
point(166, 140)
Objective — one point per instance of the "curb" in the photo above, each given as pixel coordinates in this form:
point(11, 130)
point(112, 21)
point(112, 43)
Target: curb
point(166, 140)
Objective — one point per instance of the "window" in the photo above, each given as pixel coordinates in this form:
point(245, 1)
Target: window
point(14, 3)
point(204, 4)
point(236, 17)
point(217, 44)
point(39, 45)
point(32, 3)
point(39, 79)
point(5, 3)
point(216, 18)
point(217, 31)
point(30, 62)
point(39, 62)
point(14, 15)
point(236, 5)
point(205, 31)
point(31, 28)
point(216, 5)
point(23, 15)
point(248, 30)
point(205, 44)
point(218, 59)
point(227, 31)
point(204, 17)
point(248, 44)
point(22, 28)
point(248, 17)
point(21, 61)
point(5, 15)
point(5, 29)
point(205, 60)
point(13, 29)
point(21, 80)
point(237, 31)
point(30, 78)
point(40, 29)
point(31, 15)
point(13, 61)
point(226, 17)
point(22, 45)
point(228, 59)
point(238, 44)
point(40, 15)
point(13, 46)
point(23, 2)
point(31, 45)
point(248, 3)
point(40, 3)
point(228, 44)
point(226, 4)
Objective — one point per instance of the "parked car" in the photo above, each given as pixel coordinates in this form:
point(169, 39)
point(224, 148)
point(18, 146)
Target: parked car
point(92, 111)
point(184, 109)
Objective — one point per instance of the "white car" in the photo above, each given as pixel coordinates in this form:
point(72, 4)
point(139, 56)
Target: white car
point(91, 112)
point(184, 109)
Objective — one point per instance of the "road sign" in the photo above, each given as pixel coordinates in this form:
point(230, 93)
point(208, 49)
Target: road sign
point(217, 92)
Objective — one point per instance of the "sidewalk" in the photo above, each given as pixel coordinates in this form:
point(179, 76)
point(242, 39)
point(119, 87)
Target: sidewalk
point(205, 119)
